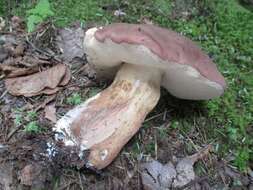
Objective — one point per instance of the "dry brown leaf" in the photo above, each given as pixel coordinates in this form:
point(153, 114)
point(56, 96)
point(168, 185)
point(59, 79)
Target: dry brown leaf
point(6, 175)
point(185, 168)
point(156, 176)
point(32, 175)
point(66, 77)
point(50, 113)
point(26, 175)
point(69, 41)
point(10, 71)
point(46, 91)
point(44, 82)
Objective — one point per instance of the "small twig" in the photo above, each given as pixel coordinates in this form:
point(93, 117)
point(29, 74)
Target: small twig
point(223, 178)
point(41, 51)
point(156, 147)
point(80, 181)
point(5, 32)
point(165, 115)
point(45, 102)
point(190, 140)
point(3, 94)
point(37, 49)
point(129, 177)
point(156, 116)
point(82, 68)
point(12, 133)
point(67, 185)
point(201, 153)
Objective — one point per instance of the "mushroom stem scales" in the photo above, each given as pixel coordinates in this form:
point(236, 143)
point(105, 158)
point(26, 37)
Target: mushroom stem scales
point(106, 122)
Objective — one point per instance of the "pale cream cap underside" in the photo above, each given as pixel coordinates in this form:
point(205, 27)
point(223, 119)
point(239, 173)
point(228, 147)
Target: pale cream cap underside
point(182, 81)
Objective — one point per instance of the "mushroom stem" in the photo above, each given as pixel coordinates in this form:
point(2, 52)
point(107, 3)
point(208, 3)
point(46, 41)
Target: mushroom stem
point(107, 121)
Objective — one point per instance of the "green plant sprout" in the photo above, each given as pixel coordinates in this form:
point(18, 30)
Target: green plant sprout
point(38, 14)
point(74, 99)
point(32, 127)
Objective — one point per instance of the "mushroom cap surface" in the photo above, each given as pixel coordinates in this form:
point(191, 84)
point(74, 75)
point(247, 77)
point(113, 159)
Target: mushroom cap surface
point(188, 72)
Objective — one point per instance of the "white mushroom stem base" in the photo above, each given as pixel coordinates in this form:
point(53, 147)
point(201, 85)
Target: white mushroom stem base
point(107, 121)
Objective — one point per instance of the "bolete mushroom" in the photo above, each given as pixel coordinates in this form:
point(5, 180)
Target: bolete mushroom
point(145, 58)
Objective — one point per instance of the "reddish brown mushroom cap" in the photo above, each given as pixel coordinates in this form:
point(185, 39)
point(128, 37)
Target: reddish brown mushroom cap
point(166, 44)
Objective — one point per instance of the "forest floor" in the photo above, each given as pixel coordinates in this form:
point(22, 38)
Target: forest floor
point(174, 130)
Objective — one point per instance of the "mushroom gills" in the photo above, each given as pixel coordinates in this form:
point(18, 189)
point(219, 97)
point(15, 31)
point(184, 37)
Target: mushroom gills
point(106, 122)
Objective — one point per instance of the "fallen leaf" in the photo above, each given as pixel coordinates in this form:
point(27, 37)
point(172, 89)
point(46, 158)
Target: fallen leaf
point(156, 176)
point(44, 82)
point(66, 77)
point(236, 176)
point(26, 175)
point(69, 42)
point(33, 175)
point(185, 170)
point(6, 176)
point(50, 113)
point(11, 71)
point(47, 91)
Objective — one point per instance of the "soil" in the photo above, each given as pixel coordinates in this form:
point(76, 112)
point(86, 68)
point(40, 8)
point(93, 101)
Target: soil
point(28, 161)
